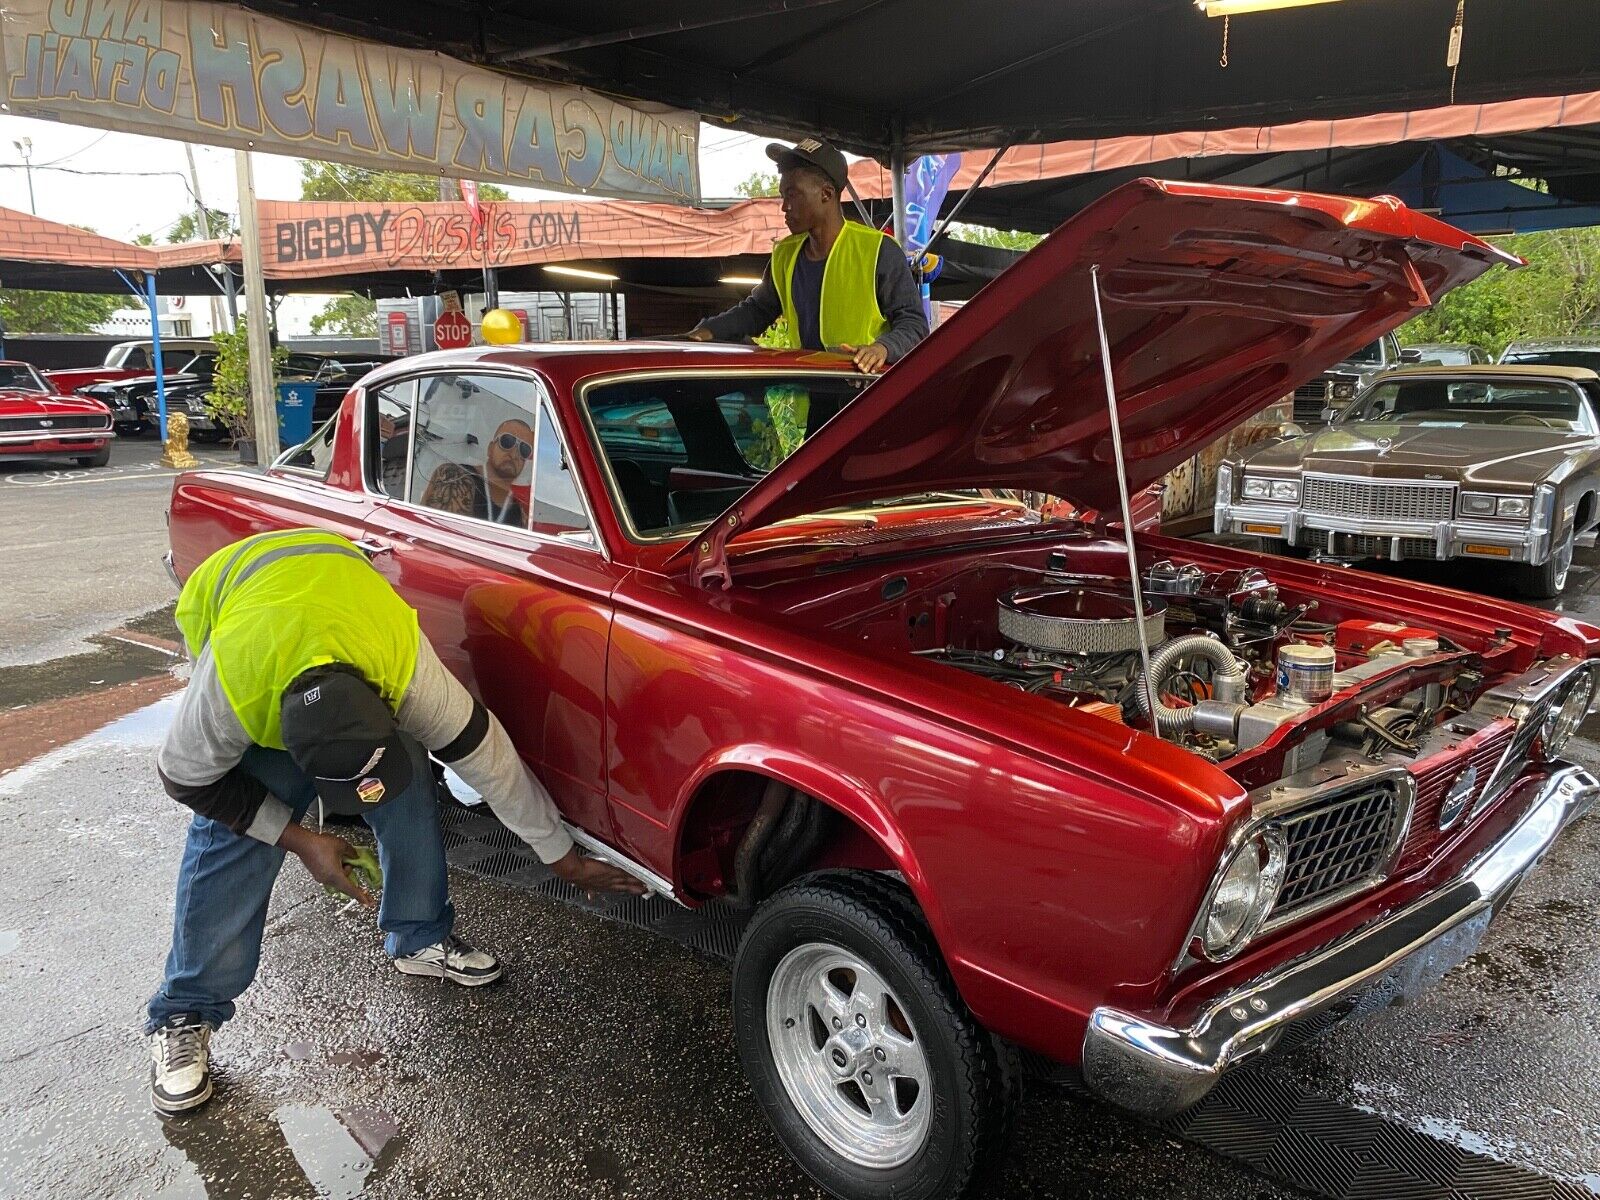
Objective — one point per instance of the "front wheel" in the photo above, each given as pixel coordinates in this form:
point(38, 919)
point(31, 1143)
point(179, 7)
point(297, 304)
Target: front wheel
point(1546, 580)
point(875, 1076)
point(99, 458)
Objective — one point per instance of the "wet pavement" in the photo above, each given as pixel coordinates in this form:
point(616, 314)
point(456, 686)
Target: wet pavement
point(603, 1065)
point(80, 549)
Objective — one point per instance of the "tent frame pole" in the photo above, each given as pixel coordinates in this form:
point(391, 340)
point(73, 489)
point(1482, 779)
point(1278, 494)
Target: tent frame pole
point(147, 293)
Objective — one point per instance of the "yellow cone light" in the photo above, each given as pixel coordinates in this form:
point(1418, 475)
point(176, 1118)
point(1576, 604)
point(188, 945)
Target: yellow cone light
point(501, 327)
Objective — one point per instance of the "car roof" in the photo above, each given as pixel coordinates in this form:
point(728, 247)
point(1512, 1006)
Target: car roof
point(1494, 371)
point(577, 360)
point(1566, 343)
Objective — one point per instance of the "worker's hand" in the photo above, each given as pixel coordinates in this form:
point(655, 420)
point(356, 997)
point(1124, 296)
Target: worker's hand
point(324, 855)
point(871, 358)
point(593, 876)
point(698, 335)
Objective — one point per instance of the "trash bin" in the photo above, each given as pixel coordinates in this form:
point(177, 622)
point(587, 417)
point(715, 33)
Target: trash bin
point(295, 403)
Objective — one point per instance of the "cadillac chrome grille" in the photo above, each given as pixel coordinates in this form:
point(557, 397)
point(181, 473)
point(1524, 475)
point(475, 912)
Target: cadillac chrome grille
point(1336, 843)
point(1342, 496)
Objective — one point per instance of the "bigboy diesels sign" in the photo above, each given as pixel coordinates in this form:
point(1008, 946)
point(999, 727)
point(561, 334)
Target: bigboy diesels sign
point(216, 73)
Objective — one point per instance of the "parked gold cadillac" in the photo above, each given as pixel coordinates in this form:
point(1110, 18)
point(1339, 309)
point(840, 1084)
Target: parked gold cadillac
point(1498, 463)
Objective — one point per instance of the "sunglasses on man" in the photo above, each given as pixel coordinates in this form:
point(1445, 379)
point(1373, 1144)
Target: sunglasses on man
point(508, 440)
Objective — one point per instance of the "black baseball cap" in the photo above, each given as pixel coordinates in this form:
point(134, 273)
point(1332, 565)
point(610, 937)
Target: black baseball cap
point(339, 731)
point(819, 154)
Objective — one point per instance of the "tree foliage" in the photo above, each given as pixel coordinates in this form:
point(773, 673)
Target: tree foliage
point(55, 312)
point(228, 401)
point(760, 183)
point(339, 182)
point(187, 227)
point(1004, 239)
point(1556, 294)
point(351, 315)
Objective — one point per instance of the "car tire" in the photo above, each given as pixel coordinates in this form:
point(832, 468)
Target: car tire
point(99, 458)
point(856, 944)
point(1546, 580)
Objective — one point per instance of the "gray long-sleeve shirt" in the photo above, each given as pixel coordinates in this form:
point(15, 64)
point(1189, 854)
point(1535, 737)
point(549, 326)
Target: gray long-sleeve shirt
point(199, 759)
point(898, 299)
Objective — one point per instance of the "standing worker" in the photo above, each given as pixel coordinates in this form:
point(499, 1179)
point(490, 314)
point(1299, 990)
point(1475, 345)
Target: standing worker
point(313, 683)
point(838, 284)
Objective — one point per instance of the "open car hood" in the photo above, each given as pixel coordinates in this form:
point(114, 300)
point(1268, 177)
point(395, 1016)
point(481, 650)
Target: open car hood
point(1218, 301)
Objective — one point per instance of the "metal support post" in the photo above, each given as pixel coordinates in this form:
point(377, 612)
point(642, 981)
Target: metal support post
point(897, 178)
point(263, 397)
point(155, 350)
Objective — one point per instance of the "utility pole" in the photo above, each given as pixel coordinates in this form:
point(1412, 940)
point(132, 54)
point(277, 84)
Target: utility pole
point(263, 395)
point(25, 148)
point(204, 216)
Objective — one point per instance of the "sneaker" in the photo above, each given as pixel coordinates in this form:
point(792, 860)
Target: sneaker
point(180, 1079)
point(451, 959)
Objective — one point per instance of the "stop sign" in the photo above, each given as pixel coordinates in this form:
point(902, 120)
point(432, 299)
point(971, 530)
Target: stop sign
point(452, 331)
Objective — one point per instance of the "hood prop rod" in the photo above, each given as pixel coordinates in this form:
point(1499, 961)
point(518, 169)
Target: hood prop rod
point(1122, 494)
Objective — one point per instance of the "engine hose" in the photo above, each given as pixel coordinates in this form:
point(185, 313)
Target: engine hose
point(746, 861)
point(1228, 682)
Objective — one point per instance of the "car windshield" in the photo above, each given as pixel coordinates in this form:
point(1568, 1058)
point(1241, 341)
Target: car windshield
point(1554, 358)
point(1372, 353)
point(20, 377)
point(680, 449)
point(1454, 402)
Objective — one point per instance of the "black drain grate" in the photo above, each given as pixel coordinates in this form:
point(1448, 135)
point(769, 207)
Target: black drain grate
point(1255, 1116)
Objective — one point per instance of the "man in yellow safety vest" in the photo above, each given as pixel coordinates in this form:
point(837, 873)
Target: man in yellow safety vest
point(313, 686)
point(838, 284)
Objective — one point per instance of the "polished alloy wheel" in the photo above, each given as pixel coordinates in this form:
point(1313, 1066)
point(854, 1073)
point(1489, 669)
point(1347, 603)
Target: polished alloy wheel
point(848, 1057)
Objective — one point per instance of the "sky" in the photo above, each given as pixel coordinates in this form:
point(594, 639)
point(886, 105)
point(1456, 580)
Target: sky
point(122, 185)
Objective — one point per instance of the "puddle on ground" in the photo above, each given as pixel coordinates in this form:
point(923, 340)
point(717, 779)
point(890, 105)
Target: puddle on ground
point(337, 1151)
point(8, 941)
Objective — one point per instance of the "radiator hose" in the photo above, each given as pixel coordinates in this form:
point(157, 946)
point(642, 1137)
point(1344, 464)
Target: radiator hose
point(1228, 681)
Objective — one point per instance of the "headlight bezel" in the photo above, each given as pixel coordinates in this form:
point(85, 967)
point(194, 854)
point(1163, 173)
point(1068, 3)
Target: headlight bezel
point(1495, 506)
point(1263, 854)
point(1271, 488)
point(1561, 719)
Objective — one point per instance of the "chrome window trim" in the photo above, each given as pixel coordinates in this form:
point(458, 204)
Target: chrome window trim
point(686, 533)
point(585, 540)
point(281, 466)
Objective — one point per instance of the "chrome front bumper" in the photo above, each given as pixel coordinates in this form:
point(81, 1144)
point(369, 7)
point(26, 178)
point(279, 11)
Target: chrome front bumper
point(30, 436)
point(1157, 1070)
point(1450, 539)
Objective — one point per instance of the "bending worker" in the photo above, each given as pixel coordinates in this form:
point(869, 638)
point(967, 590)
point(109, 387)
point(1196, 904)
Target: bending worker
point(312, 684)
point(838, 284)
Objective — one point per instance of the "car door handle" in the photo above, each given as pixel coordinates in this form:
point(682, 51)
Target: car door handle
point(372, 548)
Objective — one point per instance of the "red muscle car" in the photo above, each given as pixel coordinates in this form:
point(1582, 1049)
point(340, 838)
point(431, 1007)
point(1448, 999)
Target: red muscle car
point(773, 636)
point(36, 420)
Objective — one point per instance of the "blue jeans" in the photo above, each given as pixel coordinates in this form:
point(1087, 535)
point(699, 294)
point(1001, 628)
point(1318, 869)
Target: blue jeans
point(226, 880)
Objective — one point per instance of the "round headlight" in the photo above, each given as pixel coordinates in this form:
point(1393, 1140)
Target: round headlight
point(1564, 718)
point(1245, 893)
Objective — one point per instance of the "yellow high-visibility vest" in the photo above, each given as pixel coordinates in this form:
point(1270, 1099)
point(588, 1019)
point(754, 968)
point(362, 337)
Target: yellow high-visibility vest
point(277, 604)
point(849, 314)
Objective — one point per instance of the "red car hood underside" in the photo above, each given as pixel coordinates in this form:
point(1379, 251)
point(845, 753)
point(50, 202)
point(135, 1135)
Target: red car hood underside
point(1218, 301)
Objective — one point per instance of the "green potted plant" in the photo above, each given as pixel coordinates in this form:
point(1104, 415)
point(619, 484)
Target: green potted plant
point(229, 398)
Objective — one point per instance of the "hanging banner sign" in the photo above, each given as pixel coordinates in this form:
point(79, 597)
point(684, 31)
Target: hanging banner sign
point(218, 74)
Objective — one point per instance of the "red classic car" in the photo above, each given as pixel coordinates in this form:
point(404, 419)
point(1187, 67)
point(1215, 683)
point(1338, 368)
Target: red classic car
point(129, 360)
point(36, 420)
point(773, 635)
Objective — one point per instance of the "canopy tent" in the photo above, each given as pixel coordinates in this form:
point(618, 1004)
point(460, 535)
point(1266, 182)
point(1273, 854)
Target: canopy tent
point(876, 76)
point(48, 256)
point(1458, 161)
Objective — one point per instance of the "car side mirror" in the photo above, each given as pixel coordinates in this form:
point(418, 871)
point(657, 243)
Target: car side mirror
point(1410, 355)
point(1328, 414)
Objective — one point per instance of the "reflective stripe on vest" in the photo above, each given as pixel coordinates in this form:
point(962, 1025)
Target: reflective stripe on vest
point(848, 313)
point(280, 603)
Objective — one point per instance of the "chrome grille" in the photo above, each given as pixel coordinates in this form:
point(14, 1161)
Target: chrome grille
point(1337, 843)
point(1343, 496)
point(57, 424)
point(1434, 775)
point(1511, 764)
point(1309, 401)
point(1361, 545)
